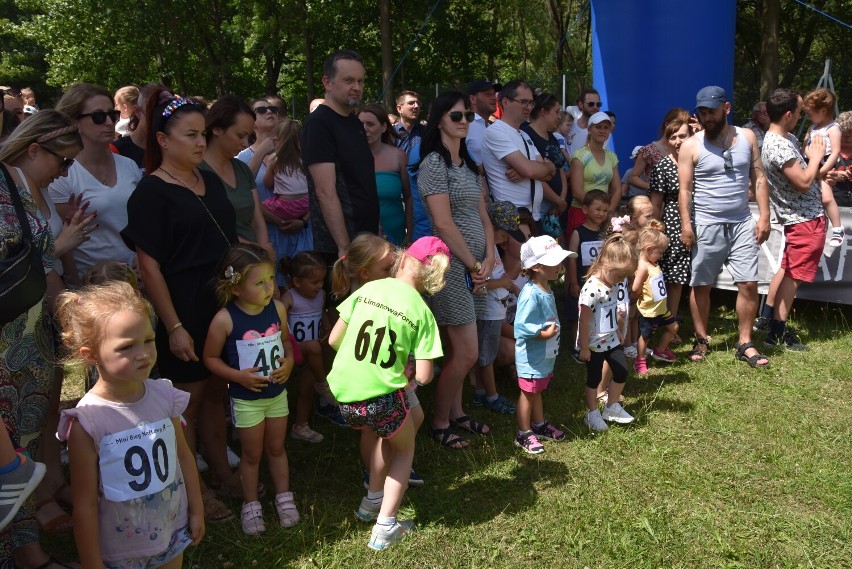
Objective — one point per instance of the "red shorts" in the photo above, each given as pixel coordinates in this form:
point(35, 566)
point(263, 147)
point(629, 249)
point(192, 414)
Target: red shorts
point(803, 250)
point(576, 218)
point(534, 384)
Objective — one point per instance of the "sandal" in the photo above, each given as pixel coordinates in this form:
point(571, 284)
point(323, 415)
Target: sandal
point(449, 439)
point(468, 424)
point(699, 351)
point(215, 510)
point(752, 361)
point(51, 518)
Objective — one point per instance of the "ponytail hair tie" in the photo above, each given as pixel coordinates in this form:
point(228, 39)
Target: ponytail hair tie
point(343, 258)
point(618, 222)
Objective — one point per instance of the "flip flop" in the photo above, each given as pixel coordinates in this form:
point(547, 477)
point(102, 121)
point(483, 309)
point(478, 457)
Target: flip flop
point(468, 424)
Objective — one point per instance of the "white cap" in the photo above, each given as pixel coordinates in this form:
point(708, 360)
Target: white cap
point(30, 110)
point(598, 118)
point(543, 250)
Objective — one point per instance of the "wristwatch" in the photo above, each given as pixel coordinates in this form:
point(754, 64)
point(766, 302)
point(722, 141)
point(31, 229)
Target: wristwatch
point(477, 266)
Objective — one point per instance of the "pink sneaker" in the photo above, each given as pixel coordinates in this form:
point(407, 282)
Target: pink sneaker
point(665, 356)
point(640, 366)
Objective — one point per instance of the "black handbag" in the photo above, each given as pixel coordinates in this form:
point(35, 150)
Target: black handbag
point(22, 279)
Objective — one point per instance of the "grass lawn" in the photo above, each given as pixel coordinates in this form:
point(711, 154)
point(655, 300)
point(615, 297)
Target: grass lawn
point(725, 466)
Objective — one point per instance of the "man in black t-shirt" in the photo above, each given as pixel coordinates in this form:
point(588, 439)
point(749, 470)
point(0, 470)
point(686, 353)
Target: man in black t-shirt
point(341, 173)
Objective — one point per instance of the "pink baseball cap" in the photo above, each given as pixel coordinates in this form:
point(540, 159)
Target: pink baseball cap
point(426, 247)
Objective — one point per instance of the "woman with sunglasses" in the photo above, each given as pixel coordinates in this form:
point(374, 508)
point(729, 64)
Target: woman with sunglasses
point(229, 122)
point(593, 168)
point(37, 153)
point(449, 184)
point(287, 236)
point(180, 222)
point(544, 119)
point(99, 177)
point(396, 216)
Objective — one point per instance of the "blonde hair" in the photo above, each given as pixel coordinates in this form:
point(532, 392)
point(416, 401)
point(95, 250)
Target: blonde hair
point(637, 204)
point(104, 272)
point(652, 236)
point(234, 266)
point(83, 315)
point(39, 129)
point(429, 277)
point(617, 254)
point(363, 251)
point(128, 95)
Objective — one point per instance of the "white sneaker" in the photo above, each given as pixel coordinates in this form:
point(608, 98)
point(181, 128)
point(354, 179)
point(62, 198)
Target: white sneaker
point(631, 351)
point(594, 421)
point(233, 459)
point(369, 509)
point(837, 237)
point(305, 433)
point(383, 537)
point(251, 518)
point(616, 414)
point(200, 463)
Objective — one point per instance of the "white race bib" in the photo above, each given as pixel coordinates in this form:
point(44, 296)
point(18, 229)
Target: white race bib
point(658, 287)
point(306, 327)
point(261, 353)
point(607, 317)
point(138, 462)
point(551, 346)
point(621, 296)
point(589, 251)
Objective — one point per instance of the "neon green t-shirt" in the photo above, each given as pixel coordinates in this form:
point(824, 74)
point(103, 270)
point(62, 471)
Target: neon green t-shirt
point(387, 320)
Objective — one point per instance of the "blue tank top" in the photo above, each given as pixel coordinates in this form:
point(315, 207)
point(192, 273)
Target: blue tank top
point(590, 245)
point(254, 341)
point(721, 196)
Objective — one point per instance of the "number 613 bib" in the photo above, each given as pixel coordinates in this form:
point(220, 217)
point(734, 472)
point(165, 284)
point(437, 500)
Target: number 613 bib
point(138, 462)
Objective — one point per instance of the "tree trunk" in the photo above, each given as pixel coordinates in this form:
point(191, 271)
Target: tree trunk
point(309, 53)
point(387, 52)
point(769, 62)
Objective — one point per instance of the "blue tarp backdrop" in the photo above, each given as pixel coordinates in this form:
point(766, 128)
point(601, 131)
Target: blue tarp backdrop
point(651, 55)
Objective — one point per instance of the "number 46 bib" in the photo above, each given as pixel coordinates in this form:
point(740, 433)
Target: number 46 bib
point(138, 462)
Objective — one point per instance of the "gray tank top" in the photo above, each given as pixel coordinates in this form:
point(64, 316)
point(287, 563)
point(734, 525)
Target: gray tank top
point(721, 196)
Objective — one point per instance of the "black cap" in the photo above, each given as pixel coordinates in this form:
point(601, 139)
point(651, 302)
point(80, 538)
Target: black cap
point(480, 85)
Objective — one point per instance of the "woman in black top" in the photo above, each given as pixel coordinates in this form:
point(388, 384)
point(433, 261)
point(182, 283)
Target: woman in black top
point(180, 223)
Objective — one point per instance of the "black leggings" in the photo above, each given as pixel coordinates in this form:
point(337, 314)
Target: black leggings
point(617, 362)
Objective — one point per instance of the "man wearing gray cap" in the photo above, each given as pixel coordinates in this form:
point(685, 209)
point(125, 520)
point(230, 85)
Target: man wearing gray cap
point(715, 167)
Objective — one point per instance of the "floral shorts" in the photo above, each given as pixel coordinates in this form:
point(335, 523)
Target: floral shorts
point(384, 414)
point(179, 542)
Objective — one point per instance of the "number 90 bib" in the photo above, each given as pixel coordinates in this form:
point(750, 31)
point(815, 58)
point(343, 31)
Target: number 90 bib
point(138, 462)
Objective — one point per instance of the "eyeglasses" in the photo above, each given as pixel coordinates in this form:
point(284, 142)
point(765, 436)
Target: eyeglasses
point(456, 116)
point(597, 104)
point(263, 110)
point(729, 160)
point(529, 103)
point(100, 117)
point(66, 162)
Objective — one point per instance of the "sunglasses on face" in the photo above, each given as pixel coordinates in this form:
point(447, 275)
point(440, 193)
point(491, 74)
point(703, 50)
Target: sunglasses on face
point(263, 110)
point(456, 116)
point(65, 161)
point(597, 104)
point(729, 160)
point(100, 117)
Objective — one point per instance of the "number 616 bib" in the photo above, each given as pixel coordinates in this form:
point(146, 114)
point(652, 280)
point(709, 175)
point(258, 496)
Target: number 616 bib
point(138, 462)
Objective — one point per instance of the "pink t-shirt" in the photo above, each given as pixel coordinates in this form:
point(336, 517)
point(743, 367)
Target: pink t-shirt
point(142, 497)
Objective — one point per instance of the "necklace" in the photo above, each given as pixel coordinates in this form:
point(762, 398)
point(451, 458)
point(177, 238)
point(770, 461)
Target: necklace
point(209, 213)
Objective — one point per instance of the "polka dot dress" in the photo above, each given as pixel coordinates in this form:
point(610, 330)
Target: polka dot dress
point(676, 261)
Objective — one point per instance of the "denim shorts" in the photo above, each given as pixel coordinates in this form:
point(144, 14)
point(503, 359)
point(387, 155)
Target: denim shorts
point(488, 334)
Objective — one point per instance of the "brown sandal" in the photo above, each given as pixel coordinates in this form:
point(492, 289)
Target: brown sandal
point(215, 510)
point(51, 518)
point(699, 351)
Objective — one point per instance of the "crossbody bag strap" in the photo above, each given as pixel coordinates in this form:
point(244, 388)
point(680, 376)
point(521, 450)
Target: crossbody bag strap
point(18, 203)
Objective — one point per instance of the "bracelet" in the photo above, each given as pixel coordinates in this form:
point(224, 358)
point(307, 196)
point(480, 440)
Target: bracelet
point(175, 327)
point(477, 266)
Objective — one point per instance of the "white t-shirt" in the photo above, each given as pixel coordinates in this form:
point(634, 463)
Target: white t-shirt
point(500, 141)
point(110, 202)
point(497, 299)
point(475, 138)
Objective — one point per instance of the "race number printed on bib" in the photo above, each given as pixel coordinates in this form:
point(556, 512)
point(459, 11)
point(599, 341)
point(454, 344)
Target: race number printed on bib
point(551, 346)
point(607, 317)
point(621, 296)
point(138, 462)
point(658, 287)
point(261, 353)
point(306, 326)
point(589, 251)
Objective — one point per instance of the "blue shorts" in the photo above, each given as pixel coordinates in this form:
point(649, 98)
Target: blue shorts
point(647, 324)
point(488, 334)
point(179, 542)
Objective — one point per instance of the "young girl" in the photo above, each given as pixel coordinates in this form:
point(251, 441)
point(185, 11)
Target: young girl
point(370, 258)
point(598, 334)
point(537, 340)
point(305, 304)
point(641, 210)
point(284, 174)
point(379, 326)
point(819, 104)
point(250, 331)
point(649, 285)
point(137, 498)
